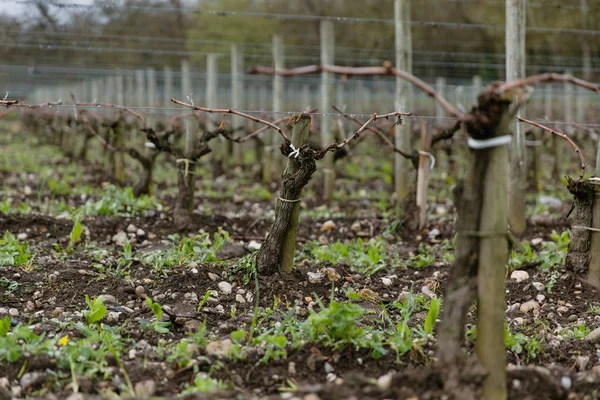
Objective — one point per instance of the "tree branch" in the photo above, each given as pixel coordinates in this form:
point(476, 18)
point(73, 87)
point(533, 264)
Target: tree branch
point(446, 133)
point(548, 77)
point(414, 158)
point(125, 109)
point(565, 137)
point(386, 69)
point(355, 135)
point(234, 112)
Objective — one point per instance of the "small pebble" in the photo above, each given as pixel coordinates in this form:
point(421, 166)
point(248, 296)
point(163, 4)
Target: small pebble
point(225, 287)
point(519, 276)
point(139, 291)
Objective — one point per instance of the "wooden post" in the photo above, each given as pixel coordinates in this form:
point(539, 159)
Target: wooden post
point(515, 69)
point(94, 91)
point(129, 89)
point(476, 90)
point(554, 140)
point(306, 103)
point(186, 90)
point(237, 98)
point(327, 131)
point(403, 62)
point(186, 168)
point(593, 276)
point(277, 105)
point(151, 95)
point(167, 87)
point(140, 99)
point(493, 255)
point(569, 129)
point(120, 89)
point(151, 77)
point(211, 89)
point(586, 53)
point(481, 252)
point(440, 87)
point(423, 173)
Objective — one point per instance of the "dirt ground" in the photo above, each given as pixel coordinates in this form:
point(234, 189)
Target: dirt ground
point(551, 315)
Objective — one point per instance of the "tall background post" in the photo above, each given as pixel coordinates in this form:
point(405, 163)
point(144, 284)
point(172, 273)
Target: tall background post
point(327, 84)
point(515, 69)
point(403, 62)
point(237, 97)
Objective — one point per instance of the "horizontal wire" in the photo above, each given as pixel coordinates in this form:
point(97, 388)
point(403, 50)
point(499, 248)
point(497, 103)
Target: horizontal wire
point(301, 17)
point(290, 113)
point(268, 45)
point(128, 50)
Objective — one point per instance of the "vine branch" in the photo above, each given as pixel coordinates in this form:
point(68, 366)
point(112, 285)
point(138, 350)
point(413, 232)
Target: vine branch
point(565, 137)
point(234, 112)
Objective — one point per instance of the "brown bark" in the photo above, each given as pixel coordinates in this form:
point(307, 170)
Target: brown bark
point(578, 256)
point(270, 255)
point(489, 120)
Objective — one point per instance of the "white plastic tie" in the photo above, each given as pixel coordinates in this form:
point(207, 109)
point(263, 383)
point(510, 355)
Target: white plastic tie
point(150, 145)
point(186, 162)
point(587, 228)
point(6, 96)
point(489, 143)
point(289, 201)
point(295, 152)
point(431, 157)
point(190, 99)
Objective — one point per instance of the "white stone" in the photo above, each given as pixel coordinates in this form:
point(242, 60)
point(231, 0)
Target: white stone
point(536, 241)
point(530, 305)
point(427, 292)
point(582, 362)
point(328, 226)
point(22, 236)
point(539, 286)
point(254, 245)
point(315, 277)
point(593, 336)
point(540, 297)
point(384, 382)
point(219, 348)
point(212, 276)
point(27, 190)
point(194, 270)
point(519, 276)
point(562, 310)
point(140, 232)
point(239, 298)
point(131, 228)
point(434, 233)
point(566, 382)
point(120, 238)
point(386, 281)
point(13, 312)
point(112, 317)
point(225, 287)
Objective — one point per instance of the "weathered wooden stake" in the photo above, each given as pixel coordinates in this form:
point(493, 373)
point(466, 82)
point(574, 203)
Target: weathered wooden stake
point(327, 84)
point(402, 137)
point(140, 93)
point(277, 105)
point(186, 168)
point(423, 173)
point(515, 69)
point(237, 99)
point(481, 251)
